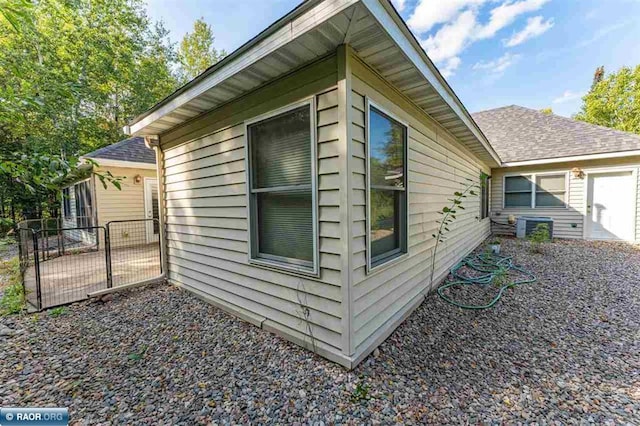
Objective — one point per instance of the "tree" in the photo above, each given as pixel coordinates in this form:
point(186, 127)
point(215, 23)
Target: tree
point(614, 100)
point(196, 52)
point(547, 111)
point(597, 76)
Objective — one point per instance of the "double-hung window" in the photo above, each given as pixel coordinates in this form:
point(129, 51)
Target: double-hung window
point(536, 190)
point(282, 189)
point(387, 184)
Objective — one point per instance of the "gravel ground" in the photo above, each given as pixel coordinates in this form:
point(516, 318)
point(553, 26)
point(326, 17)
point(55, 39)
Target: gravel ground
point(565, 350)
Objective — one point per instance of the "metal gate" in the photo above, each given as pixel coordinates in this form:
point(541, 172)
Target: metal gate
point(63, 265)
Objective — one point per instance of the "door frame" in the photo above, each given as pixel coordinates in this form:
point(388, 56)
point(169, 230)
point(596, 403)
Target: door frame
point(634, 197)
point(150, 236)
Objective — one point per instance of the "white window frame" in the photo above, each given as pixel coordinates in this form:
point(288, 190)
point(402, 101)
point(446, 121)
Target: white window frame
point(403, 251)
point(269, 261)
point(534, 178)
point(488, 192)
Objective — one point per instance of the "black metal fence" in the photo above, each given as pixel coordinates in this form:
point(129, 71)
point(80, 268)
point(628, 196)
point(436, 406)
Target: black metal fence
point(63, 265)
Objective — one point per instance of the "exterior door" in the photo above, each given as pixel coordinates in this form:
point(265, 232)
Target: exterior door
point(152, 209)
point(611, 206)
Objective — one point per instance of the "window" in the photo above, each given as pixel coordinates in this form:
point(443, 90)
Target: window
point(387, 188)
point(517, 191)
point(84, 204)
point(281, 189)
point(550, 190)
point(484, 196)
point(66, 202)
point(535, 191)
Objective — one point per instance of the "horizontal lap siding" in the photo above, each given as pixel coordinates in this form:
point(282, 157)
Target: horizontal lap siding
point(438, 166)
point(207, 232)
point(567, 222)
point(126, 203)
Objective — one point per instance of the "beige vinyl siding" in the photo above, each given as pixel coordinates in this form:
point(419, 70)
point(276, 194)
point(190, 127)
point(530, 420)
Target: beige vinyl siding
point(126, 203)
point(564, 218)
point(438, 166)
point(207, 223)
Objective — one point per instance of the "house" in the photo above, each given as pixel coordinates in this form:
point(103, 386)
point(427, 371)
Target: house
point(302, 176)
point(86, 203)
point(583, 176)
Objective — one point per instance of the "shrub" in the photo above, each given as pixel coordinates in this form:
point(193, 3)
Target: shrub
point(13, 299)
point(539, 236)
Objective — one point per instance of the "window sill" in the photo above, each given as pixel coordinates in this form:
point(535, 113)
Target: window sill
point(391, 261)
point(285, 268)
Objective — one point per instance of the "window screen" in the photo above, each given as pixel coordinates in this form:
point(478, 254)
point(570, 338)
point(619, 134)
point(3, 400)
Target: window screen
point(66, 202)
point(517, 191)
point(550, 190)
point(387, 187)
point(281, 188)
point(84, 205)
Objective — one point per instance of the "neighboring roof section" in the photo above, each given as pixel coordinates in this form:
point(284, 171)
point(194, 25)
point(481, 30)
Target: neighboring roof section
point(523, 134)
point(131, 150)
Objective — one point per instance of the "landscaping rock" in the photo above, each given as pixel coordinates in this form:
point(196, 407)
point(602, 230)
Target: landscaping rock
point(564, 350)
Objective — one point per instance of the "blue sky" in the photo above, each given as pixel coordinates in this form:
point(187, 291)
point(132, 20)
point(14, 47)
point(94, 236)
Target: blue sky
point(534, 53)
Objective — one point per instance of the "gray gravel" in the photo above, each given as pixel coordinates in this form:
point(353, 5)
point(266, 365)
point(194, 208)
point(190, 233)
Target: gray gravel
point(565, 350)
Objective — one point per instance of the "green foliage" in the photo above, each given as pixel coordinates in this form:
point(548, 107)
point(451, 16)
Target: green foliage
point(56, 312)
point(546, 111)
point(360, 393)
point(6, 225)
point(196, 52)
point(539, 236)
point(449, 214)
point(614, 100)
point(13, 300)
point(137, 356)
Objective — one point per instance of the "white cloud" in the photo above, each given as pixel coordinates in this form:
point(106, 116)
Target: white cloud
point(429, 12)
point(450, 66)
point(505, 14)
point(460, 26)
point(498, 66)
point(399, 4)
point(452, 38)
point(535, 27)
point(568, 96)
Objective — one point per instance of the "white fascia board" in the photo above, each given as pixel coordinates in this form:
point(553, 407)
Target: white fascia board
point(586, 157)
point(398, 31)
point(289, 31)
point(106, 162)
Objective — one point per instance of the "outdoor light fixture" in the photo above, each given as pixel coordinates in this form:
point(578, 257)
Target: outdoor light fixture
point(577, 173)
point(137, 179)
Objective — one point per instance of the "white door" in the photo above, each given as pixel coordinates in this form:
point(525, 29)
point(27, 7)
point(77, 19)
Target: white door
point(611, 206)
point(152, 208)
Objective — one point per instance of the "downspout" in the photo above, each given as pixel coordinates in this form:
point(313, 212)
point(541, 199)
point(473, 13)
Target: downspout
point(152, 142)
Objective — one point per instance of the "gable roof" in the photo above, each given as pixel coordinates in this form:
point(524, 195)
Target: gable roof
point(377, 35)
point(130, 150)
point(523, 134)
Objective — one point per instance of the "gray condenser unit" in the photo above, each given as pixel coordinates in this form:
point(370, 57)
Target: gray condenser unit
point(525, 225)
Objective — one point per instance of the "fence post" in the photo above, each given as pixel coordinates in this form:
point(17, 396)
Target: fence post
point(107, 252)
point(36, 265)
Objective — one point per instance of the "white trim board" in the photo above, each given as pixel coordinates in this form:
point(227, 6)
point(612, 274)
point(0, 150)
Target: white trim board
point(106, 162)
point(617, 154)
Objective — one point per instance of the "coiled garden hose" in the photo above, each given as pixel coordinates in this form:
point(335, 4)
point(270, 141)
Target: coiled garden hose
point(489, 268)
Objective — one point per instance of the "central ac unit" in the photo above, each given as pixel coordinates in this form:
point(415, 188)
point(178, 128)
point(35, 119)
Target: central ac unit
point(525, 225)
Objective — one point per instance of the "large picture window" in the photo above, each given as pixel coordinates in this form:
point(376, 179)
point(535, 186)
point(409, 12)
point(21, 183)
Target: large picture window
point(281, 189)
point(536, 191)
point(387, 161)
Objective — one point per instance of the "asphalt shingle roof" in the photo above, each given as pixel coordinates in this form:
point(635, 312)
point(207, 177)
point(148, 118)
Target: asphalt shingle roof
point(521, 134)
point(132, 149)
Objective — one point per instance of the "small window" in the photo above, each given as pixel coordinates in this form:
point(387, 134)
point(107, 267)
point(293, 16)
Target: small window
point(484, 196)
point(550, 191)
point(517, 191)
point(84, 205)
point(281, 189)
point(66, 202)
point(387, 188)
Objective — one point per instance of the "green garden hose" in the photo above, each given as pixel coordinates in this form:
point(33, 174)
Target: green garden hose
point(485, 269)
